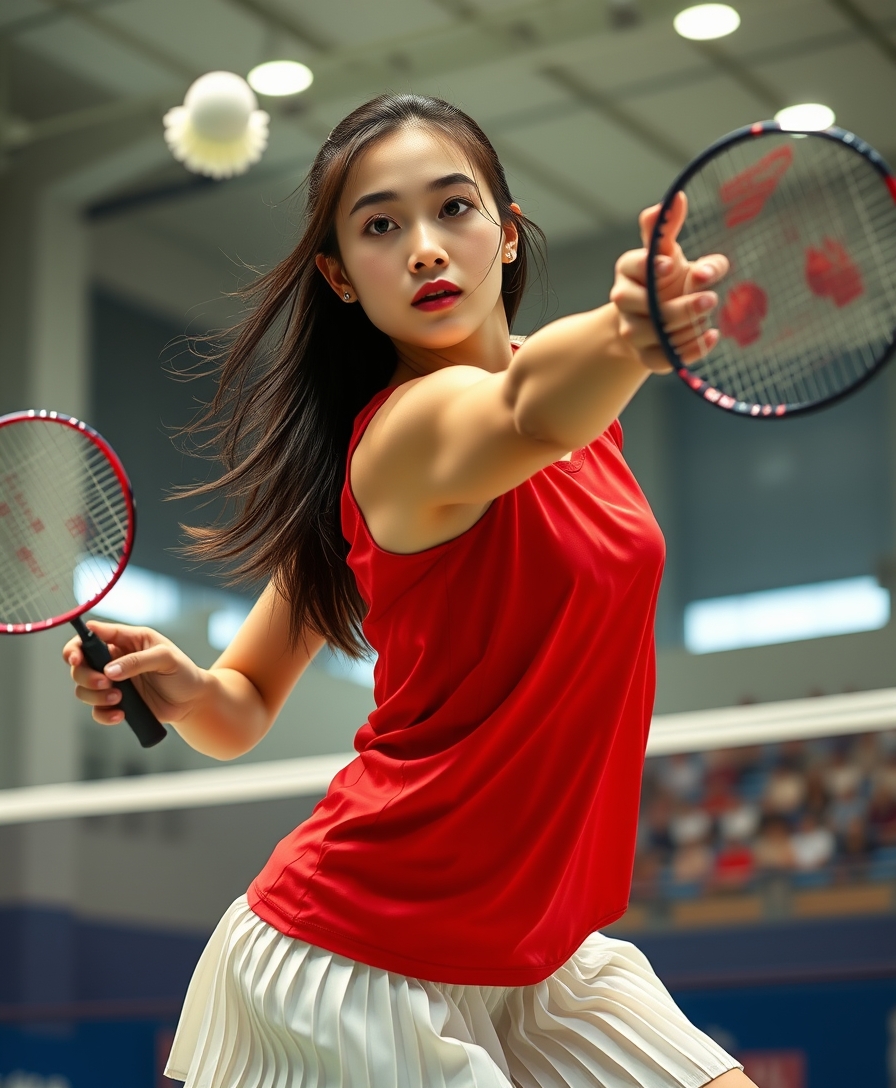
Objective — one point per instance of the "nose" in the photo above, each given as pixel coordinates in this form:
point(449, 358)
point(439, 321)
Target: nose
point(426, 251)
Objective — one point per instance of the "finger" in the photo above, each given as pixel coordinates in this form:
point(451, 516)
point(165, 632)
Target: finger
point(71, 652)
point(684, 338)
point(630, 297)
point(689, 311)
point(705, 271)
point(641, 334)
point(631, 300)
point(89, 678)
point(675, 218)
point(107, 717)
point(92, 697)
point(132, 637)
point(633, 266)
point(155, 659)
point(699, 347)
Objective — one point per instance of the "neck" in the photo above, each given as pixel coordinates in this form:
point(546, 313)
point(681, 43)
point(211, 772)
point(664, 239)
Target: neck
point(488, 348)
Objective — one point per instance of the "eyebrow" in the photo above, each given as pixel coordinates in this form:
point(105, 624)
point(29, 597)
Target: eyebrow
point(385, 195)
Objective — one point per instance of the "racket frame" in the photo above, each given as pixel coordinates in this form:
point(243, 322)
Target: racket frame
point(112, 457)
point(693, 381)
point(146, 727)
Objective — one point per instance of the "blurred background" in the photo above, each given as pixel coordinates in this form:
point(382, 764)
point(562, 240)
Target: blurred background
point(765, 879)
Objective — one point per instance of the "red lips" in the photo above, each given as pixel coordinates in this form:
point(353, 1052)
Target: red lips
point(436, 288)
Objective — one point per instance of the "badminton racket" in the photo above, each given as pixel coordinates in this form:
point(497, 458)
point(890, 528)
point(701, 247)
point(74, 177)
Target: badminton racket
point(807, 312)
point(66, 534)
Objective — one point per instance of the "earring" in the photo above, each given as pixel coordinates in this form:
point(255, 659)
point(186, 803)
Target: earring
point(347, 297)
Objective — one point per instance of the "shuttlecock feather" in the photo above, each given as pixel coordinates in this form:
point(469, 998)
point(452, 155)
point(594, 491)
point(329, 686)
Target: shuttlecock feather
point(219, 131)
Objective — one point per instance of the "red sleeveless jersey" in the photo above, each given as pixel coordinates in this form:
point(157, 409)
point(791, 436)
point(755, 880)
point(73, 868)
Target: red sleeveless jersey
point(487, 825)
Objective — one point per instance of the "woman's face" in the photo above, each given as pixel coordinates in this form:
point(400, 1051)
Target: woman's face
point(420, 242)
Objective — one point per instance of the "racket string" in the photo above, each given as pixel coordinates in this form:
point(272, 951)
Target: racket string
point(804, 334)
point(56, 477)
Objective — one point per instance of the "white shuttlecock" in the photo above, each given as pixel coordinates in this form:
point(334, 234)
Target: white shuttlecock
point(219, 131)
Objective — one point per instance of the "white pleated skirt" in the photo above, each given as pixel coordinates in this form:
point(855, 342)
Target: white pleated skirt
point(264, 1010)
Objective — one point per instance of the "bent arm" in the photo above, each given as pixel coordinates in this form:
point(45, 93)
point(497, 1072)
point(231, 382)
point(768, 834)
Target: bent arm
point(222, 711)
point(245, 689)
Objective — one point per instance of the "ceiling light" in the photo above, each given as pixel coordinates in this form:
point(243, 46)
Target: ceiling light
point(786, 615)
point(706, 21)
point(808, 117)
point(280, 77)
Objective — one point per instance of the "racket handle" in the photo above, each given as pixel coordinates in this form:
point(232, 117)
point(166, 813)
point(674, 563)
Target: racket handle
point(140, 718)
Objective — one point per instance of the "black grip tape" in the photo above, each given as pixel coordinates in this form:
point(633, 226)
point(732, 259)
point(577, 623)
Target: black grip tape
point(148, 729)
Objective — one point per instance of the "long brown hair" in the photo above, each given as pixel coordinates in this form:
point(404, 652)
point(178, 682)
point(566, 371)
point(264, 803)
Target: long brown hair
point(297, 372)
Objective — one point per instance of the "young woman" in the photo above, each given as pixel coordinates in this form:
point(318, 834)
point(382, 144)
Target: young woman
point(395, 460)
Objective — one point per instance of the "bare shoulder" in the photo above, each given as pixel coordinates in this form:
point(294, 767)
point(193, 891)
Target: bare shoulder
point(437, 452)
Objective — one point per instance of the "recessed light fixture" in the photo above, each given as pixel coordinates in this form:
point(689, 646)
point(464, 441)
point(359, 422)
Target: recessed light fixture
point(277, 78)
point(785, 615)
point(810, 117)
point(706, 21)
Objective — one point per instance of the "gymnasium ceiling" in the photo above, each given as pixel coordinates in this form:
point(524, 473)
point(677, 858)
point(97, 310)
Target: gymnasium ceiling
point(592, 104)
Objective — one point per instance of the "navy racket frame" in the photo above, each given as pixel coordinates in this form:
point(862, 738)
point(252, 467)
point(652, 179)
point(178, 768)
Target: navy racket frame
point(702, 388)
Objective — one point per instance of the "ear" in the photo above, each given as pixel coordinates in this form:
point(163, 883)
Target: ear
point(511, 237)
point(332, 271)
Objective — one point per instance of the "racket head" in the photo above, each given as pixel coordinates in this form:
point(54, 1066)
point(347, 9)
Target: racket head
point(67, 520)
point(807, 313)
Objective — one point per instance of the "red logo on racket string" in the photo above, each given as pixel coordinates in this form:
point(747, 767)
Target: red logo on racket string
point(741, 317)
point(5, 509)
point(831, 273)
point(748, 191)
point(76, 525)
point(27, 556)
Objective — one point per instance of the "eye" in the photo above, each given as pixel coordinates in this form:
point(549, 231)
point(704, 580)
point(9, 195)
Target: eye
point(380, 225)
point(456, 207)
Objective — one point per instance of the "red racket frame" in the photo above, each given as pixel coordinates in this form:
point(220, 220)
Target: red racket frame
point(112, 457)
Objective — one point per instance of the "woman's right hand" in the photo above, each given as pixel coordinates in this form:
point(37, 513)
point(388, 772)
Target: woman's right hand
point(168, 681)
point(683, 291)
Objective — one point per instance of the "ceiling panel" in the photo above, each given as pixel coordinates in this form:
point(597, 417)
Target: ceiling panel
point(768, 24)
point(492, 91)
point(695, 119)
point(357, 22)
point(11, 11)
point(488, 6)
point(855, 80)
point(94, 56)
point(621, 57)
point(882, 10)
point(598, 158)
point(327, 114)
point(41, 89)
point(204, 34)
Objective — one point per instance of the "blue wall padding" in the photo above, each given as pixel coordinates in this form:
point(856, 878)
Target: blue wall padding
point(50, 957)
point(785, 951)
